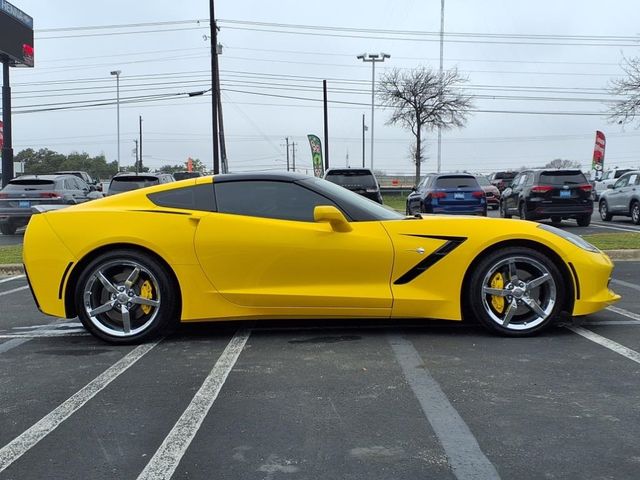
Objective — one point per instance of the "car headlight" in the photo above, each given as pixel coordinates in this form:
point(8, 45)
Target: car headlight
point(575, 239)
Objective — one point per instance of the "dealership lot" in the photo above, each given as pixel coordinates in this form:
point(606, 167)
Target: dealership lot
point(321, 400)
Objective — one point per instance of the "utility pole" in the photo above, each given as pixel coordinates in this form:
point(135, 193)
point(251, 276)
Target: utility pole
point(136, 150)
point(373, 58)
point(223, 146)
point(326, 127)
point(7, 147)
point(293, 150)
point(286, 139)
point(441, 57)
point(140, 163)
point(214, 85)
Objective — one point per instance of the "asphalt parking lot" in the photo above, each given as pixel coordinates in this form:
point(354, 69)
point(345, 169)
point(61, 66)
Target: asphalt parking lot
point(316, 400)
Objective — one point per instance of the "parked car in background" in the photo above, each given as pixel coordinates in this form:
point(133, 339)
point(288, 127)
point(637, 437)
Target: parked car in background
point(491, 192)
point(93, 183)
point(608, 179)
point(554, 194)
point(124, 182)
point(22, 193)
point(359, 180)
point(502, 179)
point(185, 175)
point(622, 198)
point(453, 193)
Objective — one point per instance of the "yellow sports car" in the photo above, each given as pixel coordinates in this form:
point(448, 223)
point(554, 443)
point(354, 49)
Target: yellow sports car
point(250, 246)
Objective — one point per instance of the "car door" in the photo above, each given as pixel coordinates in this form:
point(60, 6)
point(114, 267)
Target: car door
point(628, 192)
point(616, 197)
point(262, 248)
point(510, 195)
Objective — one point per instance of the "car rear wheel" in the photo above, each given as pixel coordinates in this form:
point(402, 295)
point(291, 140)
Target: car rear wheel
point(516, 291)
point(8, 228)
point(523, 212)
point(635, 213)
point(604, 211)
point(503, 211)
point(584, 220)
point(126, 296)
point(556, 220)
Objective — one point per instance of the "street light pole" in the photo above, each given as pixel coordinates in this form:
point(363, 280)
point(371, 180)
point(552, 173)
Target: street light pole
point(214, 85)
point(117, 74)
point(373, 58)
point(441, 57)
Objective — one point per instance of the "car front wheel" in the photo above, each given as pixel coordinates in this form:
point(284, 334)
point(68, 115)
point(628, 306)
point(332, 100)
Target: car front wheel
point(126, 296)
point(604, 211)
point(516, 291)
point(8, 228)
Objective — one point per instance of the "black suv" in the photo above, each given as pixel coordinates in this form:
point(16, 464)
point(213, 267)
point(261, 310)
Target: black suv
point(555, 194)
point(358, 180)
point(124, 182)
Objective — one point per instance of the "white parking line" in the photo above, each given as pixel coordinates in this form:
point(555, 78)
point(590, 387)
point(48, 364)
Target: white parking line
point(609, 227)
point(166, 459)
point(461, 447)
point(624, 313)
point(21, 444)
point(605, 342)
point(17, 277)
point(14, 290)
point(625, 284)
point(49, 334)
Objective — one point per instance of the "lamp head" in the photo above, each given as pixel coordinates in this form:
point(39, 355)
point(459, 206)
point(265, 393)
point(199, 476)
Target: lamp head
point(116, 72)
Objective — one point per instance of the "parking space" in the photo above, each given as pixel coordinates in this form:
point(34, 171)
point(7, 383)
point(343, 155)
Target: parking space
point(352, 400)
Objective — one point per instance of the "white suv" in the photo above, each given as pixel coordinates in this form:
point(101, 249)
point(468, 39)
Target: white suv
point(608, 178)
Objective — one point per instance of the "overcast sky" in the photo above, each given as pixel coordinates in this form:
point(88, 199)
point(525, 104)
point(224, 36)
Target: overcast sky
point(262, 66)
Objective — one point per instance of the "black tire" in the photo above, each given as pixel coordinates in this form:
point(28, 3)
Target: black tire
point(522, 211)
point(635, 213)
point(556, 220)
point(149, 298)
point(603, 208)
point(584, 220)
point(528, 276)
point(8, 228)
point(503, 211)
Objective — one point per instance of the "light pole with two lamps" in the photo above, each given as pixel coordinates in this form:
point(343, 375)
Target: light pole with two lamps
point(117, 75)
point(373, 58)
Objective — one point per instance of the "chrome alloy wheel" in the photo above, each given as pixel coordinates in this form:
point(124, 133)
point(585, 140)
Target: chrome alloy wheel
point(121, 298)
point(526, 297)
point(635, 213)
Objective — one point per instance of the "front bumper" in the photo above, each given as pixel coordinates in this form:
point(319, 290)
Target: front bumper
point(592, 277)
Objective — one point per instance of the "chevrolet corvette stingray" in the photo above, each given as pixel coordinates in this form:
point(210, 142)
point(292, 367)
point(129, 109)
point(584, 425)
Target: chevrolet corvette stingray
point(289, 246)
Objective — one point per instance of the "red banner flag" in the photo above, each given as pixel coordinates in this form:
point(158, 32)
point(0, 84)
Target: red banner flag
point(598, 155)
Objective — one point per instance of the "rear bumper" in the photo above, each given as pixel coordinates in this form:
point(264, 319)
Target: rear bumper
point(537, 210)
point(460, 210)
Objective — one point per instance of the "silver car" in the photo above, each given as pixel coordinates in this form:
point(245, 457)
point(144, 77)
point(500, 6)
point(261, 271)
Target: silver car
point(623, 198)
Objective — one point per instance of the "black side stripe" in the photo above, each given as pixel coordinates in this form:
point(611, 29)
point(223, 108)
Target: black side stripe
point(64, 276)
point(575, 278)
point(451, 244)
point(162, 211)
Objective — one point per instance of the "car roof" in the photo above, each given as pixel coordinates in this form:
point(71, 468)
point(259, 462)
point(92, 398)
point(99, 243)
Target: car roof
point(346, 169)
point(283, 177)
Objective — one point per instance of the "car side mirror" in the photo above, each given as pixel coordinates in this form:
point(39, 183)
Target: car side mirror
point(507, 191)
point(330, 214)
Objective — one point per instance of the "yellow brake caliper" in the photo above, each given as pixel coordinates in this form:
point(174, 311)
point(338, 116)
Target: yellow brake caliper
point(498, 302)
point(146, 291)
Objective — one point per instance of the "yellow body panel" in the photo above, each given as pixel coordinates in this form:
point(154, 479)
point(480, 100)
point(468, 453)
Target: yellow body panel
point(233, 267)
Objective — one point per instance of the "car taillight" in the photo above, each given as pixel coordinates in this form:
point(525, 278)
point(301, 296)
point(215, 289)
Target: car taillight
point(585, 188)
point(438, 195)
point(477, 194)
point(49, 195)
point(541, 189)
point(4, 195)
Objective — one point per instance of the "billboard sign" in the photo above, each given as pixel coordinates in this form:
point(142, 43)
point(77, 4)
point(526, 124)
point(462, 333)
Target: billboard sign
point(16, 40)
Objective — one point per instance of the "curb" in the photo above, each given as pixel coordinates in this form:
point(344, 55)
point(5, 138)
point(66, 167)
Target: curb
point(616, 255)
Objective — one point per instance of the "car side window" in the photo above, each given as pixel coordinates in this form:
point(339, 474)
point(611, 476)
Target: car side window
point(69, 184)
point(268, 199)
point(633, 179)
point(622, 182)
point(516, 180)
point(199, 197)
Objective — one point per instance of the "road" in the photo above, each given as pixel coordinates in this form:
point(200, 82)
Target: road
point(321, 400)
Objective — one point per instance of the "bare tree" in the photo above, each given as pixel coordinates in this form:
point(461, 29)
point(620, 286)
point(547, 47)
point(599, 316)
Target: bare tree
point(626, 110)
point(423, 99)
point(560, 163)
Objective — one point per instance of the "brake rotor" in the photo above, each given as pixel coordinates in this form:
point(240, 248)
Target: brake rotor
point(497, 302)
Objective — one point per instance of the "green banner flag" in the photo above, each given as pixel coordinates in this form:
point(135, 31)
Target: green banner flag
point(316, 155)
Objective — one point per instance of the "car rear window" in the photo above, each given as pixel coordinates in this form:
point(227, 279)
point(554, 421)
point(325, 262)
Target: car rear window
point(505, 175)
point(573, 177)
point(34, 184)
point(456, 182)
point(484, 181)
point(619, 173)
point(346, 178)
point(125, 184)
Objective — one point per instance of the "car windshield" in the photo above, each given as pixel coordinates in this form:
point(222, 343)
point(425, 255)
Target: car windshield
point(351, 202)
point(125, 184)
point(573, 177)
point(352, 178)
point(459, 181)
point(32, 184)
